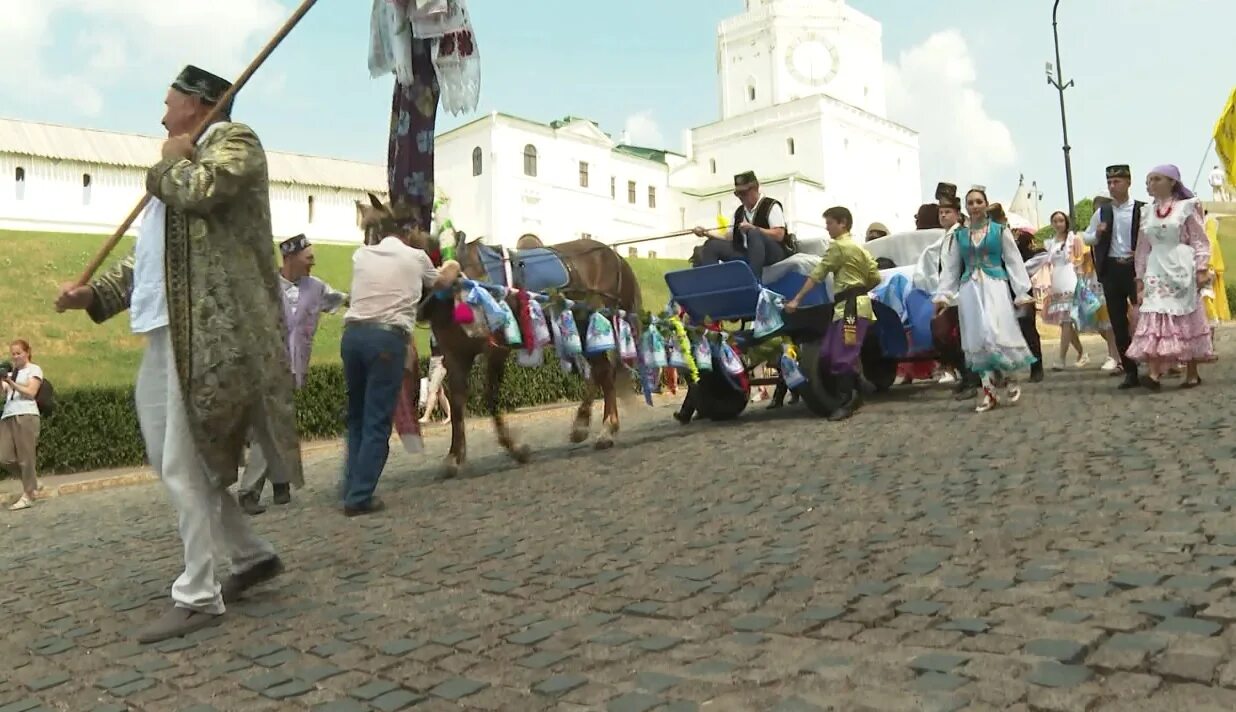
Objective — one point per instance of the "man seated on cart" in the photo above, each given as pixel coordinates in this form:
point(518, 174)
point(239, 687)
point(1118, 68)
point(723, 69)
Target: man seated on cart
point(855, 274)
point(756, 236)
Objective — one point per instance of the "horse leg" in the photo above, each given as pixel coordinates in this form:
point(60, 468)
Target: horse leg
point(457, 370)
point(496, 365)
point(604, 372)
point(583, 416)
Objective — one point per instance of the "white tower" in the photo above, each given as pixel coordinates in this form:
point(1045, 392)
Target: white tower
point(781, 50)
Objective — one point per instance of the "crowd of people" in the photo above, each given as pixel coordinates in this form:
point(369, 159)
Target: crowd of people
point(1141, 276)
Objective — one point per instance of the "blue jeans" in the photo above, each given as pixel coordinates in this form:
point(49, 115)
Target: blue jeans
point(373, 370)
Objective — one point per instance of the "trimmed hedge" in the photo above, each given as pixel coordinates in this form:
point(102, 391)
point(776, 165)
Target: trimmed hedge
point(97, 428)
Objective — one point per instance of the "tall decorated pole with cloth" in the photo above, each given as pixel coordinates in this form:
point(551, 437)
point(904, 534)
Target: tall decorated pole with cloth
point(431, 49)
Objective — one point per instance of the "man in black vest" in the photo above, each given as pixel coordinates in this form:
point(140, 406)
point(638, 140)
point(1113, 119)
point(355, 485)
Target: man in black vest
point(758, 235)
point(1112, 235)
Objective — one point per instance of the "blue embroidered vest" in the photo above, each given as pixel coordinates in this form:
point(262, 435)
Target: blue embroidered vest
point(987, 255)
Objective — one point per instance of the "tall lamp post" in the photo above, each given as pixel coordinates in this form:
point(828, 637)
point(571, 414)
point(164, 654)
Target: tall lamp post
point(1060, 85)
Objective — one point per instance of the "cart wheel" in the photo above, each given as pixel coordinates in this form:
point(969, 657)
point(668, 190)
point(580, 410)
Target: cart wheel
point(819, 391)
point(878, 370)
point(717, 399)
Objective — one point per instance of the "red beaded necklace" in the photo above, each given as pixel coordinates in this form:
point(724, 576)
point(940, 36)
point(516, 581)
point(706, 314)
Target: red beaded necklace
point(1164, 213)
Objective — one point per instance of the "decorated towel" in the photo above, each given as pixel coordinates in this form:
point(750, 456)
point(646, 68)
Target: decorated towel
point(480, 298)
point(652, 350)
point(540, 324)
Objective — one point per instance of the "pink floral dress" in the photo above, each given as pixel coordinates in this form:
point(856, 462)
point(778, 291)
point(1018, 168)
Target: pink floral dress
point(1172, 327)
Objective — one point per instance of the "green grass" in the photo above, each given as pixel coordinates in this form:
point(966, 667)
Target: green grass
point(74, 351)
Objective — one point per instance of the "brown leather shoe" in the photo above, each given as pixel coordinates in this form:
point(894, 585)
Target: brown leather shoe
point(176, 623)
point(375, 505)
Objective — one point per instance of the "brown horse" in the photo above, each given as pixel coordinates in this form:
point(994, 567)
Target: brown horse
point(599, 275)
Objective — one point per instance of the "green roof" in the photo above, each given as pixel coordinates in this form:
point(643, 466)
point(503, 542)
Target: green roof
point(648, 154)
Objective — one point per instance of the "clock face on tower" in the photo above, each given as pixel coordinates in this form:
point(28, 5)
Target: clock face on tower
point(811, 60)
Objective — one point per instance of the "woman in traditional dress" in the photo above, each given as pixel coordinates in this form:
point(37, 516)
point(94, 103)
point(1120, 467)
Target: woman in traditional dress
point(1064, 250)
point(1172, 263)
point(978, 275)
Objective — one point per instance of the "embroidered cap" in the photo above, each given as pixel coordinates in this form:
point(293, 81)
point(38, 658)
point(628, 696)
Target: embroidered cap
point(745, 180)
point(945, 192)
point(292, 245)
point(1119, 170)
point(198, 82)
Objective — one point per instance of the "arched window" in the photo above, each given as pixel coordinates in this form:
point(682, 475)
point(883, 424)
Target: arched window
point(530, 161)
point(85, 189)
point(712, 164)
point(477, 161)
point(751, 91)
point(789, 145)
point(311, 208)
point(20, 177)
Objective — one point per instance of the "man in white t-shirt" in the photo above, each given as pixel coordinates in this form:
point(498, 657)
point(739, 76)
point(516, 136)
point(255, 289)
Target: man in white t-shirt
point(19, 422)
point(388, 280)
point(758, 234)
point(1218, 184)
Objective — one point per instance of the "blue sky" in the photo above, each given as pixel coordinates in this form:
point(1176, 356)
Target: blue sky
point(971, 74)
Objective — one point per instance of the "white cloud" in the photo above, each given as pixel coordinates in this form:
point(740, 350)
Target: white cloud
point(931, 89)
point(126, 39)
point(642, 130)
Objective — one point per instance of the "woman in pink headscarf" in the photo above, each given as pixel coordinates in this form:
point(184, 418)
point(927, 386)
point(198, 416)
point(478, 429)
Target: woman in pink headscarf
point(1172, 261)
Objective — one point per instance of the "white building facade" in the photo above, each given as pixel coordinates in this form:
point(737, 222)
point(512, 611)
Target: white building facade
point(802, 103)
point(72, 180)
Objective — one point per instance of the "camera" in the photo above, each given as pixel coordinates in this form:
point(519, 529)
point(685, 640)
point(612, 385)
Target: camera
point(6, 370)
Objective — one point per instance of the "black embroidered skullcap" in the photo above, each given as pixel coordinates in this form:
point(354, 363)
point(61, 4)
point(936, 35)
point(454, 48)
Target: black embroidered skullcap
point(745, 180)
point(198, 82)
point(1119, 170)
point(292, 245)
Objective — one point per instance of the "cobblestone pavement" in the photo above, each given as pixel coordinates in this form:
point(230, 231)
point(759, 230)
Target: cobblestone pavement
point(1073, 552)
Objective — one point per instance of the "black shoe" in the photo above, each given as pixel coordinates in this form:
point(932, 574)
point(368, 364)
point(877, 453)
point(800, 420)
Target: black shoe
point(375, 505)
point(259, 573)
point(965, 393)
point(1036, 375)
point(794, 398)
point(851, 398)
point(1129, 383)
point(283, 493)
point(250, 502)
point(1151, 384)
point(776, 404)
point(682, 417)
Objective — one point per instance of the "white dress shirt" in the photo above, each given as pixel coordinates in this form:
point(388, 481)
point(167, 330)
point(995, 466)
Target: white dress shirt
point(388, 280)
point(1122, 231)
point(148, 300)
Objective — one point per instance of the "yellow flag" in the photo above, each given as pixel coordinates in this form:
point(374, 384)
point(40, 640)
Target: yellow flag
point(1225, 138)
point(721, 222)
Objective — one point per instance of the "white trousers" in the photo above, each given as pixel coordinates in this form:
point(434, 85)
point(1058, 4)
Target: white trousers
point(212, 526)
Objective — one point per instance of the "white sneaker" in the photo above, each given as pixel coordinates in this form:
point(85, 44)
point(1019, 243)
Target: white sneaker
point(1110, 364)
point(24, 503)
point(946, 378)
point(1082, 362)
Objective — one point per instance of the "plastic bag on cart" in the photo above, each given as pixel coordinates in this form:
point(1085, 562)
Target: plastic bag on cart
point(790, 373)
point(600, 337)
point(702, 354)
point(570, 345)
point(654, 349)
point(768, 319)
point(540, 326)
point(730, 362)
point(627, 350)
point(510, 326)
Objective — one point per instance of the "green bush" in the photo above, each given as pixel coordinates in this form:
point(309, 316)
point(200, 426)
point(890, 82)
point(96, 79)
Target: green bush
point(97, 428)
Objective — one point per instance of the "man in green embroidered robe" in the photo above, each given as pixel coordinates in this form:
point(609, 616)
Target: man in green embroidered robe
point(202, 287)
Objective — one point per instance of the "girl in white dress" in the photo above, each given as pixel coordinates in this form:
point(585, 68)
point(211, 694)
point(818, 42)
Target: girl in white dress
point(1172, 262)
point(984, 274)
point(1063, 251)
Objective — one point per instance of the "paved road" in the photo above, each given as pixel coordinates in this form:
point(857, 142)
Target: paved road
point(1073, 552)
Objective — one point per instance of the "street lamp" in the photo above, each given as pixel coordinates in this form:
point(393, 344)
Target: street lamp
point(1060, 85)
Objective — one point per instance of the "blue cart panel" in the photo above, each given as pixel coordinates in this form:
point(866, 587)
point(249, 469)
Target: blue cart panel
point(729, 291)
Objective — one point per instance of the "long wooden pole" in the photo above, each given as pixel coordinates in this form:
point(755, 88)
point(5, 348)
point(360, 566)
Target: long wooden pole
point(106, 249)
point(633, 241)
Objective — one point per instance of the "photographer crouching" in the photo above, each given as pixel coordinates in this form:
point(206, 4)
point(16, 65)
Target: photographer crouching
point(19, 422)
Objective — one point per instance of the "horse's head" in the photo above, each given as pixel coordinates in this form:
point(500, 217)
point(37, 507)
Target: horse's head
point(379, 220)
